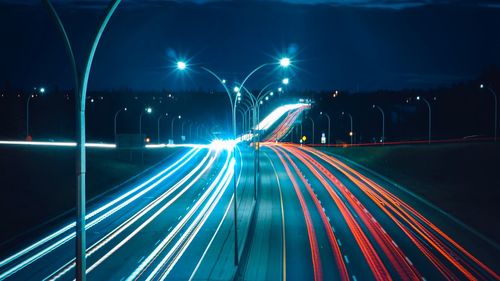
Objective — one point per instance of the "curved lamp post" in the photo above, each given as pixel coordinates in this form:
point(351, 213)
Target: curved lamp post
point(383, 121)
point(115, 120)
point(81, 82)
point(147, 110)
point(172, 127)
point(351, 133)
point(430, 116)
point(329, 123)
point(482, 86)
point(158, 124)
point(312, 122)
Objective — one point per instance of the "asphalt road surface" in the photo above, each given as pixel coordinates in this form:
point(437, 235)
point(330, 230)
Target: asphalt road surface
point(315, 218)
point(159, 227)
point(320, 219)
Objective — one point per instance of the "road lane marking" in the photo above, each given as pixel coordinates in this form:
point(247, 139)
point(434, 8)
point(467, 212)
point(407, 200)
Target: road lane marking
point(283, 245)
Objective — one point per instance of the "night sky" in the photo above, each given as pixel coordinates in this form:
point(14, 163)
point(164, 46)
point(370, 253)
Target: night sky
point(345, 45)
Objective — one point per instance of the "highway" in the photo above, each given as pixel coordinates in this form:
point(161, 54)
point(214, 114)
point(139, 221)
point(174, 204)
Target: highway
point(143, 232)
point(320, 219)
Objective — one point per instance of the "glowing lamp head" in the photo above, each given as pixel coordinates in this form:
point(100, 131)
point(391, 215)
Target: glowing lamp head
point(285, 62)
point(125, 109)
point(350, 134)
point(418, 98)
point(223, 81)
point(285, 81)
point(373, 106)
point(148, 140)
point(481, 86)
point(280, 89)
point(42, 90)
point(179, 117)
point(261, 102)
point(181, 65)
point(236, 89)
point(149, 110)
point(267, 98)
point(271, 94)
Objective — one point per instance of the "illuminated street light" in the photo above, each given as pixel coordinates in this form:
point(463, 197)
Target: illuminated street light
point(383, 121)
point(328, 118)
point(482, 86)
point(285, 81)
point(351, 134)
point(285, 62)
point(147, 110)
point(172, 127)
point(280, 89)
point(271, 94)
point(42, 90)
point(116, 117)
point(236, 89)
point(430, 115)
point(158, 125)
point(181, 65)
point(223, 81)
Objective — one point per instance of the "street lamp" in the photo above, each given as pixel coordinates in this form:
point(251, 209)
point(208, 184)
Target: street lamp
point(328, 118)
point(41, 91)
point(172, 127)
point(285, 81)
point(182, 129)
point(285, 62)
point(312, 121)
point(181, 65)
point(81, 83)
point(158, 125)
point(482, 86)
point(115, 119)
point(383, 121)
point(351, 133)
point(147, 110)
point(430, 115)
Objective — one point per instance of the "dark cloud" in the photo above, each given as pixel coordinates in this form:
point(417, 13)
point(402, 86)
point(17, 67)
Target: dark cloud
point(376, 4)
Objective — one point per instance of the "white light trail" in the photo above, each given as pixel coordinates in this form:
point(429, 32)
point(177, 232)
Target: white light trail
point(170, 170)
point(55, 143)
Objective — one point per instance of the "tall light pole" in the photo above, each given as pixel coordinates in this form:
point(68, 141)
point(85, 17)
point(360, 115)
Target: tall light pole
point(430, 116)
point(383, 121)
point(81, 82)
point(182, 129)
point(284, 62)
point(158, 124)
point(41, 91)
point(147, 110)
point(496, 109)
point(312, 122)
point(172, 128)
point(28, 115)
point(190, 131)
point(329, 123)
point(115, 119)
point(351, 133)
